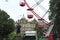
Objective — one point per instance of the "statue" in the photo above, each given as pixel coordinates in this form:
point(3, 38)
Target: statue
point(18, 28)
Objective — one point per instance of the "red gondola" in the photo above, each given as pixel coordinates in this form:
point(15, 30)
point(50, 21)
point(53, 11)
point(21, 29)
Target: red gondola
point(41, 26)
point(30, 16)
point(46, 36)
point(22, 4)
point(30, 9)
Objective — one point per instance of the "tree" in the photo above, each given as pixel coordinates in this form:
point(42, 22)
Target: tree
point(55, 15)
point(12, 36)
point(39, 31)
point(6, 25)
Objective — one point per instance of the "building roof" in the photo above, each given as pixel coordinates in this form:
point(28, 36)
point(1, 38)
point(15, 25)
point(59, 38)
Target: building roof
point(34, 21)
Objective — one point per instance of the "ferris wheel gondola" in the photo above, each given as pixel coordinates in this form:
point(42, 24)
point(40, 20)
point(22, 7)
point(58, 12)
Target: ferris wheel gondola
point(30, 16)
point(22, 4)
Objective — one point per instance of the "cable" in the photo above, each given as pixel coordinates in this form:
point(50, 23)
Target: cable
point(37, 3)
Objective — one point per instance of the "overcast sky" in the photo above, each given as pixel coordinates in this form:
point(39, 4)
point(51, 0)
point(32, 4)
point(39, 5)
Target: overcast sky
point(16, 12)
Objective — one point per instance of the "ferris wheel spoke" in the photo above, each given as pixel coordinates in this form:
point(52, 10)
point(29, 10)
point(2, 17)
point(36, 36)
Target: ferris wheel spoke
point(45, 13)
point(43, 8)
point(37, 3)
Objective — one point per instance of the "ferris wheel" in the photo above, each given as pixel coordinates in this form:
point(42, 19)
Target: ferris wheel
point(31, 9)
point(24, 3)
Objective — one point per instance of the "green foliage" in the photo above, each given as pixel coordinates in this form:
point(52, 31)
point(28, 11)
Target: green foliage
point(55, 15)
point(12, 36)
point(39, 31)
point(54, 8)
point(6, 24)
point(43, 39)
point(19, 35)
point(55, 12)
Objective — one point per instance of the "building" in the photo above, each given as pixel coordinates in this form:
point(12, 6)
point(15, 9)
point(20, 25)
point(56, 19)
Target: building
point(27, 26)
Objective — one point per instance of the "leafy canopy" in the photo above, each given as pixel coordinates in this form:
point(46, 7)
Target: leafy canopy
point(6, 24)
point(54, 15)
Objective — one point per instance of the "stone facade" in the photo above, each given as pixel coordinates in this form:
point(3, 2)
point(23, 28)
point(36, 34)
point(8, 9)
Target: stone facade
point(27, 26)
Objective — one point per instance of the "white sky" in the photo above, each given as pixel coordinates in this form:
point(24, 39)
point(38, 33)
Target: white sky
point(16, 12)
